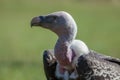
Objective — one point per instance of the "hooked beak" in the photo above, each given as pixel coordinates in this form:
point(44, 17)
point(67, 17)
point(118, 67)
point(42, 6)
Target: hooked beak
point(36, 21)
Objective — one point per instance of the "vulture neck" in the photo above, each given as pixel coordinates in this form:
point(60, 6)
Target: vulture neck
point(63, 53)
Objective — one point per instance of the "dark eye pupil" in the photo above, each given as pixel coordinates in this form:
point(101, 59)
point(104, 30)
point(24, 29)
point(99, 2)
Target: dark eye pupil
point(51, 19)
point(54, 17)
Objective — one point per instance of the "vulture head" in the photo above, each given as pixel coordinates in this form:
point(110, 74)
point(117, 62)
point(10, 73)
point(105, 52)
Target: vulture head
point(59, 22)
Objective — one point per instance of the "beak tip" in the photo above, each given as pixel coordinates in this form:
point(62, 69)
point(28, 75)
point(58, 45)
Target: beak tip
point(31, 25)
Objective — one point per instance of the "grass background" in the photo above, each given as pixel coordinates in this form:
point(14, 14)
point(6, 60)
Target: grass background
point(21, 47)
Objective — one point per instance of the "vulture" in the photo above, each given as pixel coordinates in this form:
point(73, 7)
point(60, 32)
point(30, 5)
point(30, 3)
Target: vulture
point(71, 59)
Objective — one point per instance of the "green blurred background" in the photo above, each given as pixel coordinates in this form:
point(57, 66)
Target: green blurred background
point(21, 47)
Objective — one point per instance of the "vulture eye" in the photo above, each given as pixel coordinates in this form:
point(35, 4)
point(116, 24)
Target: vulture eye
point(51, 19)
point(54, 17)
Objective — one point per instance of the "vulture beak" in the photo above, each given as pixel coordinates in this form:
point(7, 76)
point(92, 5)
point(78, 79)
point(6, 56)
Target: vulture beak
point(36, 21)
